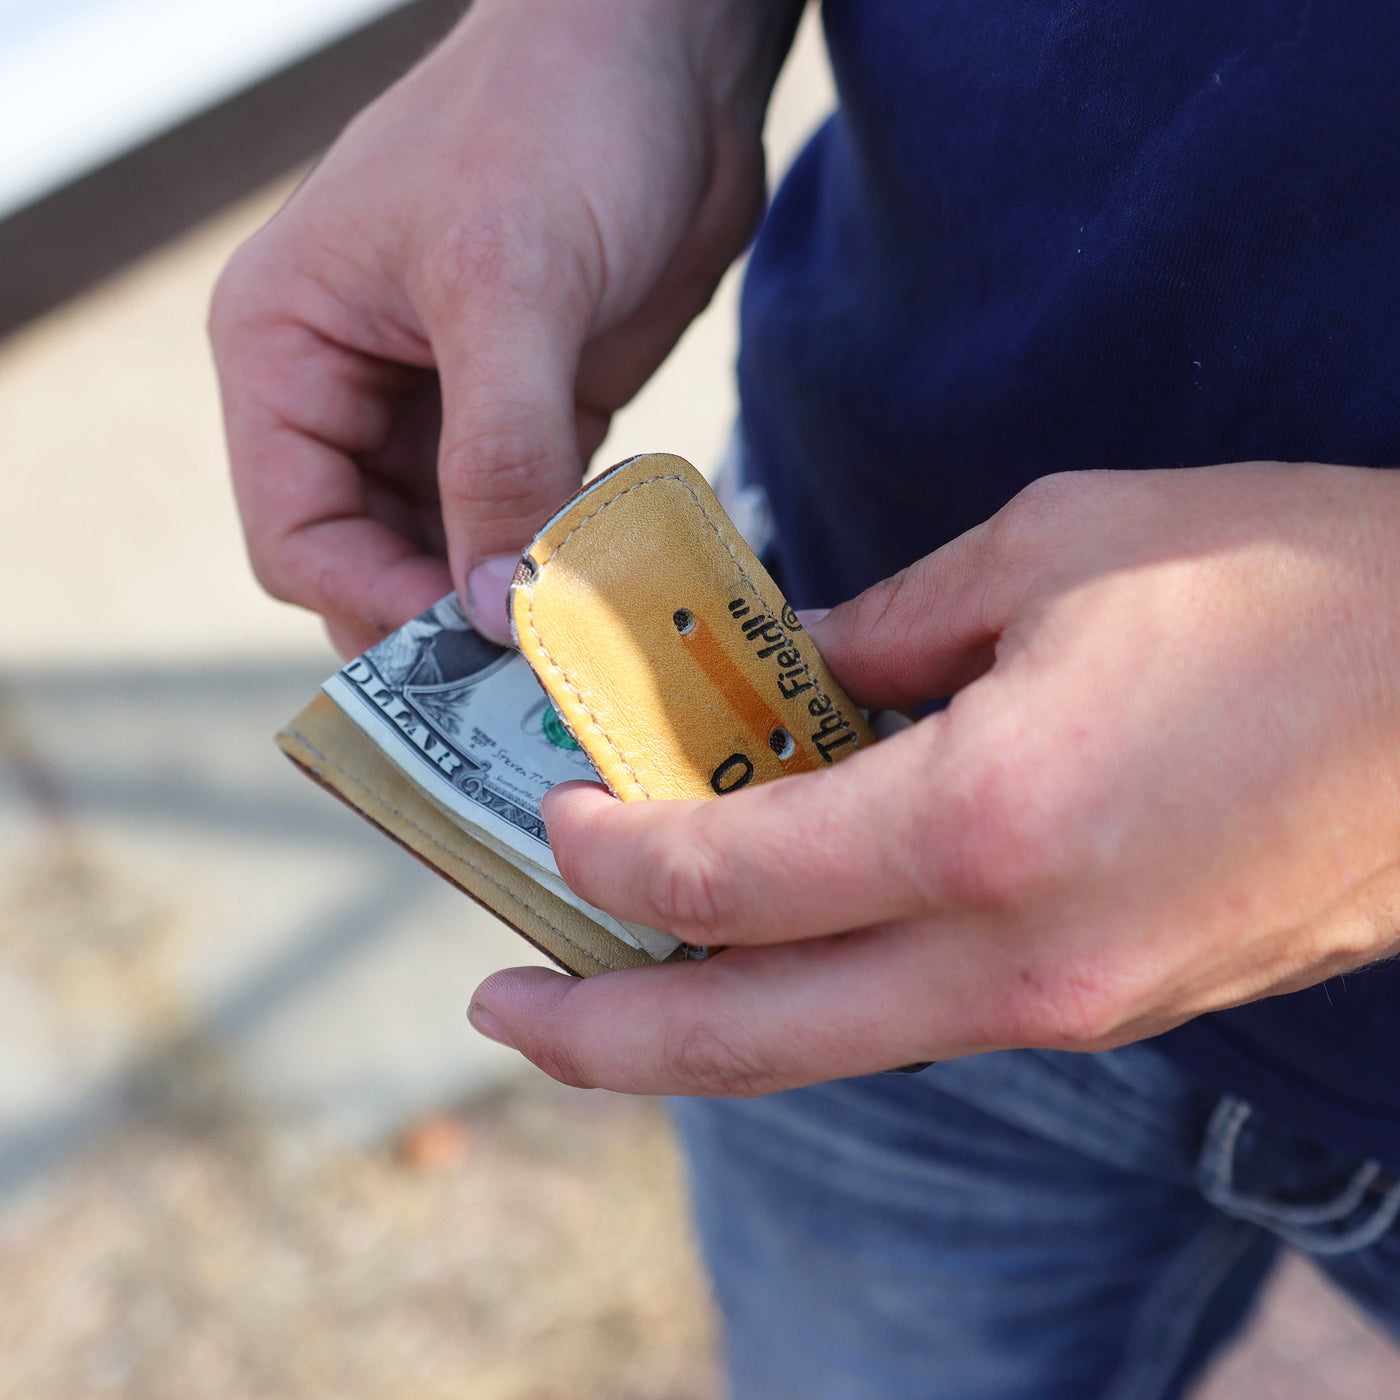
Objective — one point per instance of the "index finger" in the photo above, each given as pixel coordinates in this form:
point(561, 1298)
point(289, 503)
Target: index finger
point(817, 853)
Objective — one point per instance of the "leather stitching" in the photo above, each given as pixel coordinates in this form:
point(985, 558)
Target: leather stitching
point(447, 850)
point(558, 549)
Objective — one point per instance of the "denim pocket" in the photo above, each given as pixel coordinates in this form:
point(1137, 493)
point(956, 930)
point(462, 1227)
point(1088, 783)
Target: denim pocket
point(1320, 1200)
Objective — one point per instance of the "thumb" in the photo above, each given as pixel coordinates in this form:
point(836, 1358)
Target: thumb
point(926, 631)
point(509, 453)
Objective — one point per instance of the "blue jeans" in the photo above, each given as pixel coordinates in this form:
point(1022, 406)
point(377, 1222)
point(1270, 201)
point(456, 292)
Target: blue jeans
point(1019, 1226)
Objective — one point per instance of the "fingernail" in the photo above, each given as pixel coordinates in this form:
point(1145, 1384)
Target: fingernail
point(487, 587)
point(484, 1023)
point(558, 791)
point(808, 616)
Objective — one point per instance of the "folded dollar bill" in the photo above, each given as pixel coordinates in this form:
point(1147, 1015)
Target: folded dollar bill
point(654, 654)
point(466, 721)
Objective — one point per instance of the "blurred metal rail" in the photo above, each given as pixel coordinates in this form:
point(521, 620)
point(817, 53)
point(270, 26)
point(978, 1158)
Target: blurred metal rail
point(54, 248)
point(35, 779)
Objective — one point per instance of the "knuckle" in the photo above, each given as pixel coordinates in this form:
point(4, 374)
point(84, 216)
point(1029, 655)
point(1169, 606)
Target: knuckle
point(1005, 848)
point(689, 893)
point(323, 591)
point(226, 302)
point(335, 592)
point(559, 1061)
point(272, 577)
point(881, 601)
point(1070, 1002)
point(862, 653)
point(488, 251)
point(218, 323)
point(709, 1057)
point(1051, 497)
point(498, 463)
point(251, 281)
point(1036, 515)
point(897, 596)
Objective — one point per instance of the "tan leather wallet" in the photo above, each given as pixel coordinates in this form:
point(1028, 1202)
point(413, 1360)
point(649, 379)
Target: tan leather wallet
point(672, 658)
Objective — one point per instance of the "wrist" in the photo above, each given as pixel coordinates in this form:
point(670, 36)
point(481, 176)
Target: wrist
point(740, 46)
point(730, 51)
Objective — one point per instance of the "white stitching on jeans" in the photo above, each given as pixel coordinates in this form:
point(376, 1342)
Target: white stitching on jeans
point(1296, 1224)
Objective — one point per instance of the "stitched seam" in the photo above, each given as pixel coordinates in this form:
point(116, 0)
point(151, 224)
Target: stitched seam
point(1348, 1242)
point(1205, 1263)
point(1299, 1225)
point(447, 850)
point(558, 549)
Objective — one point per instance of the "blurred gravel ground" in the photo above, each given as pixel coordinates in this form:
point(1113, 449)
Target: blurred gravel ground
point(527, 1246)
point(187, 1258)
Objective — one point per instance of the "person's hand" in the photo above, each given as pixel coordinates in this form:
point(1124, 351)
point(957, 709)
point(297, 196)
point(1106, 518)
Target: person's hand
point(1168, 782)
point(419, 353)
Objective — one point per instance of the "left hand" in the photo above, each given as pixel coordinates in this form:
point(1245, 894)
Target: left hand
point(1168, 782)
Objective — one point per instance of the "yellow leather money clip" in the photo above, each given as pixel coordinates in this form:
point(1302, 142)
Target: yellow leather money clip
point(666, 647)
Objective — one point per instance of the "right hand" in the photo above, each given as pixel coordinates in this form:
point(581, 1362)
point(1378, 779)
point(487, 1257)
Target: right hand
point(421, 351)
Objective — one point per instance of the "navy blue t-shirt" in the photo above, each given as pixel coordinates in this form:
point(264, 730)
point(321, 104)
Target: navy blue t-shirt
point(1043, 235)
